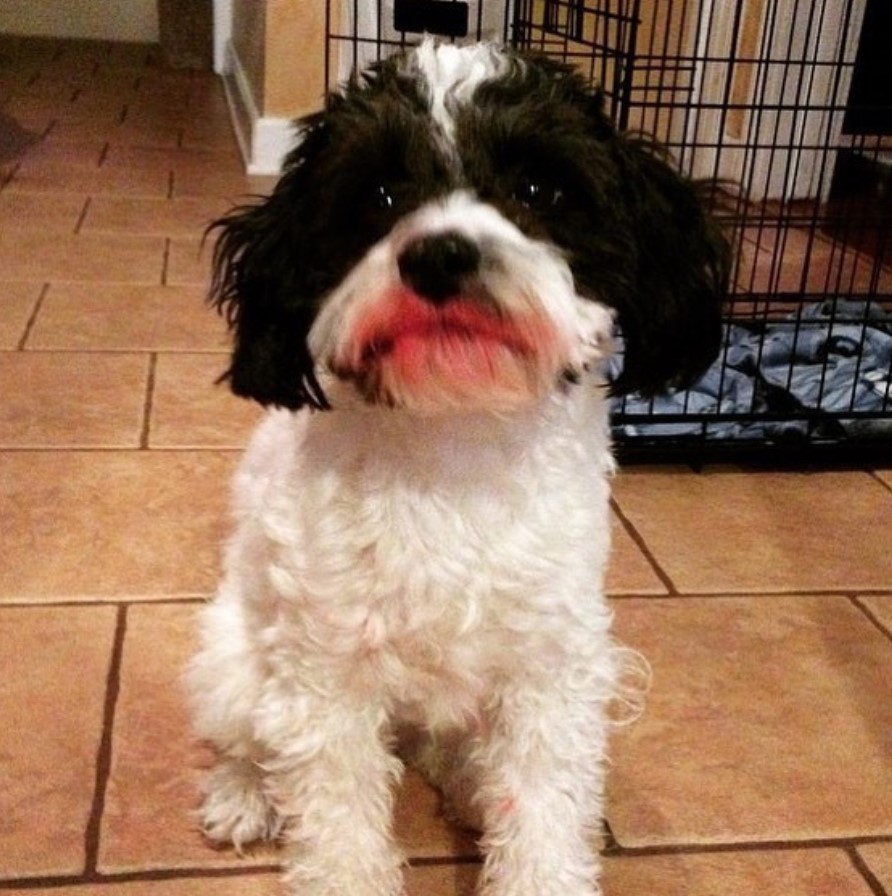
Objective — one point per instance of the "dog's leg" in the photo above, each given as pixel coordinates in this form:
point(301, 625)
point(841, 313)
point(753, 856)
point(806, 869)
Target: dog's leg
point(331, 777)
point(542, 792)
point(224, 682)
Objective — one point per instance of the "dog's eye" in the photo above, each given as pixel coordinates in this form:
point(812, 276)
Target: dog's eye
point(537, 195)
point(382, 198)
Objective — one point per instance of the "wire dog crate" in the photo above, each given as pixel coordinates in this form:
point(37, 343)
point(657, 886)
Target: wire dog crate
point(790, 101)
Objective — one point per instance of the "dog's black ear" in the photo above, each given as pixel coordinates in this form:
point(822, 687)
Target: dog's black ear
point(263, 284)
point(671, 317)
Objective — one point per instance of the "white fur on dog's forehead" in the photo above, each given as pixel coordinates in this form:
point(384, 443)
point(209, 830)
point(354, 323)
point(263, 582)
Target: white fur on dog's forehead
point(452, 74)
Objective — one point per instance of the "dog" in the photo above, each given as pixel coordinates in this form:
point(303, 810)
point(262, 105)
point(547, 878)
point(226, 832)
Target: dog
point(426, 303)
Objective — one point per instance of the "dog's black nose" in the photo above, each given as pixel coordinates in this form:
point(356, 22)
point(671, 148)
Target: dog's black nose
point(436, 266)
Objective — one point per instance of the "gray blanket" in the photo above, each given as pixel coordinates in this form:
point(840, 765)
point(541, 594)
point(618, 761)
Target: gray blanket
point(826, 371)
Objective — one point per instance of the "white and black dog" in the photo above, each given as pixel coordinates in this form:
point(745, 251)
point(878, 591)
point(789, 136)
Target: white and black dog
point(427, 300)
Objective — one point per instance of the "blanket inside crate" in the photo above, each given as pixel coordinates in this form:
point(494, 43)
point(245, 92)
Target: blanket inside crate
point(825, 371)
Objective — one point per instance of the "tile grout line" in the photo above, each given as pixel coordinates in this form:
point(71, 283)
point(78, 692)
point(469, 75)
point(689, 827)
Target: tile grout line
point(145, 431)
point(745, 846)
point(862, 867)
point(165, 261)
point(192, 597)
point(83, 215)
point(10, 175)
point(716, 595)
point(93, 833)
point(32, 319)
point(117, 449)
point(880, 480)
point(152, 875)
point(857, 601)
point(187, 598)
point(633, 533)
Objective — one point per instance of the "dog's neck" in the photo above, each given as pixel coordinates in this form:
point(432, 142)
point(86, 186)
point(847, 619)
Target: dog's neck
point(472, 445)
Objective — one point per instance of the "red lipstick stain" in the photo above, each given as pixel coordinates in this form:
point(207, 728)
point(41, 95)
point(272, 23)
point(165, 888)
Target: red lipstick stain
point(410, 328)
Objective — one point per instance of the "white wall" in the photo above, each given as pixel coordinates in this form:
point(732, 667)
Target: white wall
point(121, 20)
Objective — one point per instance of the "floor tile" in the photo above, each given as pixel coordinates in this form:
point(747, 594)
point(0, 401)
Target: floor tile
point(208, 133)
point(209, 885)
point(51, 211)
point(78, 55)
point(202, 180)
point(72, 400)
point(752, 531)
point(180, 159)
point(129, 133)
point(137, 54)
point(810, 265)
point(35, 254)
point(85, 83)
point(168, 217)
point(63, 108)
point(54, 148)
point(442, 880)
point(52, 697)
point(421, 829)
point(152, 111)
point(31, 125)
point(759, 709)
point(153, 789)
point(173, 86)
point(189, 409)
point(107, 524)
point(103, 103)
point(188, 263)
point(432, 880)
point(805, 872)
point(208, 100)
point(878, 857)
point(14, 82)
point(17, 303)
point(117, 317)
point(20, 134)
point(50, 176)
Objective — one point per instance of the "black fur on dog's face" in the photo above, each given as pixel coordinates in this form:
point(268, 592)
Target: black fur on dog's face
point(519, 136)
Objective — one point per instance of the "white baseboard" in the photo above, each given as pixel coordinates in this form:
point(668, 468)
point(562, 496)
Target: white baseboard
point(272, 140)
point(264, 141)
point(222, 33)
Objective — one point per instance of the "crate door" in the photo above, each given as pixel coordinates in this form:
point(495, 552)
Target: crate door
point(772, 82)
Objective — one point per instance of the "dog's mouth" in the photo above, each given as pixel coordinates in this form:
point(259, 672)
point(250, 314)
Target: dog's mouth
point(412, 328)
point(408, 351)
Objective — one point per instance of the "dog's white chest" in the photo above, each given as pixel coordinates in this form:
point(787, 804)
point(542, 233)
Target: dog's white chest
point(430, 567)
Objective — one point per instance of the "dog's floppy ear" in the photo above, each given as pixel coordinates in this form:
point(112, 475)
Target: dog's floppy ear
point(263, 284)
point(671, 318)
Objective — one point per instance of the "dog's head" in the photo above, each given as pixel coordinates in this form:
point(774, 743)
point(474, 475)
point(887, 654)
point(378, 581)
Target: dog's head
point(458, 229)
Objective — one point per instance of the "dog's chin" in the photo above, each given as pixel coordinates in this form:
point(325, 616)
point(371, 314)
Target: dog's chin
point(458, 355)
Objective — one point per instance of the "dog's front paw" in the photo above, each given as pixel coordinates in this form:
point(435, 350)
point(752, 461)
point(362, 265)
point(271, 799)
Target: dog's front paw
point(235, 809)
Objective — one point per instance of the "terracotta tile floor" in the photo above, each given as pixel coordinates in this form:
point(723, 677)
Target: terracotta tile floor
point(763, 763)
